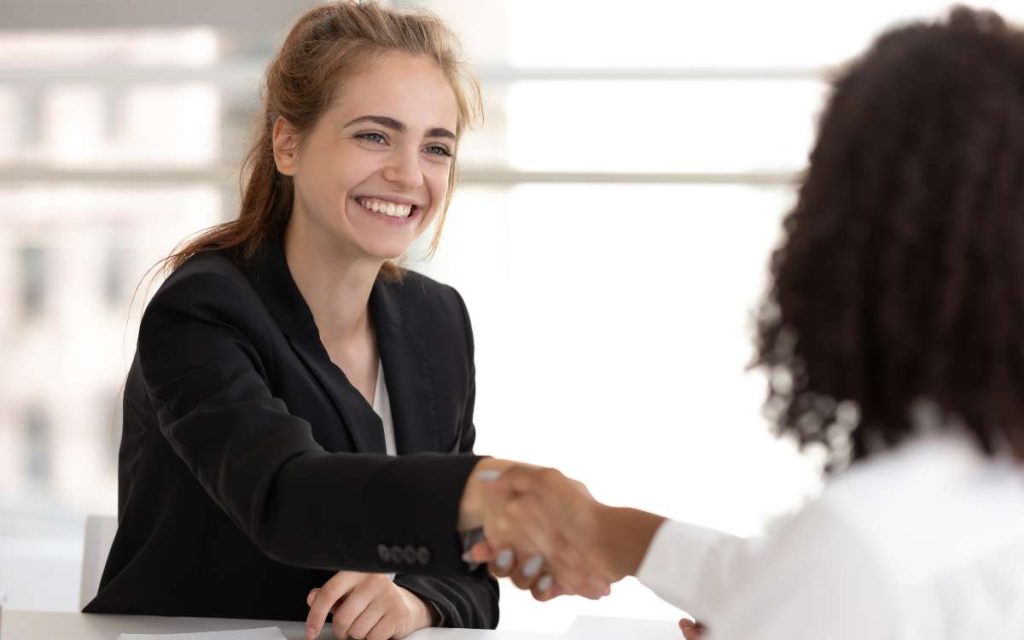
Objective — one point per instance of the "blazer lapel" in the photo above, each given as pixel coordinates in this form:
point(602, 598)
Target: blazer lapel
point(273, 281)
point(362, 422)
point(406, 372)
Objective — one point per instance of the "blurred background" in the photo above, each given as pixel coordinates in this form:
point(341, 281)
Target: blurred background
point(610, 235)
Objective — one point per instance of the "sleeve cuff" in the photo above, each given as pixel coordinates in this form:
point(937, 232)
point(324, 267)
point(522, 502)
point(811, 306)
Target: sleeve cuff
point(673, 563)
point(437, 616)
point(413, 502)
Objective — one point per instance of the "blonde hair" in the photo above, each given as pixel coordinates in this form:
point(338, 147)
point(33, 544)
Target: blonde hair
point(327, 44)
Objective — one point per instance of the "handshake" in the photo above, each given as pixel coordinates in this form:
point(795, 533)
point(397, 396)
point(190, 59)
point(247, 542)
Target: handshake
point(546, 532)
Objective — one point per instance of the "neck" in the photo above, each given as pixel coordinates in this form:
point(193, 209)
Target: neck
point(336, 286)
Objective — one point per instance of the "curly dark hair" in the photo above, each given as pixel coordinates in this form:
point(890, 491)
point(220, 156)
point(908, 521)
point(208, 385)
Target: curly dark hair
point(900, 276)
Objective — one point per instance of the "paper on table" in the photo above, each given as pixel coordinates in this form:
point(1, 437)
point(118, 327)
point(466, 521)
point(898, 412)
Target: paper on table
point(599, 628)
point(266, 633)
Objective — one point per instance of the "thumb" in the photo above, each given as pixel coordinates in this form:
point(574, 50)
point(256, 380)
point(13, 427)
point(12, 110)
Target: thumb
point(481, 552)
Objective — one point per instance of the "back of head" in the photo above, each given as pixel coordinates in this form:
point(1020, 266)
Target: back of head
point(901, 274)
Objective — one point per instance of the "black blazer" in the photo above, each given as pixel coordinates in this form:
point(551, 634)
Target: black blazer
point(251, 469)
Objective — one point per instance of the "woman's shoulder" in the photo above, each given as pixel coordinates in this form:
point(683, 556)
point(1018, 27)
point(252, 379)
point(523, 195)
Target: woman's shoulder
point(207, 265)
point(910, 506)
point(414, 289)
point(207, 279)
point(435, 308)
point(414, 284)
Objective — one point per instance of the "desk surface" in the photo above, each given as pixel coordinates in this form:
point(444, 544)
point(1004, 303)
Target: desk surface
point(39, 625)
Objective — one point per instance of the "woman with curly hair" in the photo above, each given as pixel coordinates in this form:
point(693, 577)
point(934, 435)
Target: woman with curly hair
point(893, 335)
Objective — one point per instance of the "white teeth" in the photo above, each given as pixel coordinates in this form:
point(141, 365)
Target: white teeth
point(390, 209)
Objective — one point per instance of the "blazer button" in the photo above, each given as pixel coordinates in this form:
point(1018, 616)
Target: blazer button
point(383, 553)
point(396, 555)
point(423, 555)
point(410, 555)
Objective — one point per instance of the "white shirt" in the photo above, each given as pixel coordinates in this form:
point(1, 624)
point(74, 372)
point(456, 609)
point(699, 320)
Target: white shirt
point(922, 543)
point(382, 407)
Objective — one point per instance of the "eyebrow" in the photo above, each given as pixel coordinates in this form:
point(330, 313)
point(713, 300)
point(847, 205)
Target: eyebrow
point(396, 125)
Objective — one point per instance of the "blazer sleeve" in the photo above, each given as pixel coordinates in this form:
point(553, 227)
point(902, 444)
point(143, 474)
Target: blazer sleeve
point(469, 601)
point(201, 363)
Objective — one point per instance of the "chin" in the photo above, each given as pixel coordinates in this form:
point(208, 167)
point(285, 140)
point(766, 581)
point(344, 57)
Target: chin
point(385, 253)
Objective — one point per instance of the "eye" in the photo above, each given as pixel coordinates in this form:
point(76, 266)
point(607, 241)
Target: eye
point(372, 136)
point(438, 150)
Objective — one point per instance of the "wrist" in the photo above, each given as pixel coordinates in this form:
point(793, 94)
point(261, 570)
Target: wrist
point(623, 538)
point(423, 614)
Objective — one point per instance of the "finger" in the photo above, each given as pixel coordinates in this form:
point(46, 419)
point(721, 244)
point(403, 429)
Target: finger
point(386, 629)
point(531, 568)
point(326, 598)
point(366, 620)
point(692, 633)
point(351, 609)
point(691, 630)
point(528, 572)
point(543, 589)
point(312, 597)
point(504, 563)
point(480, 553)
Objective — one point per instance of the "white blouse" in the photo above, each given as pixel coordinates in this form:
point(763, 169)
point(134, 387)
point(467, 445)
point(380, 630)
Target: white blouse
point(922, 543)
point(382, 407)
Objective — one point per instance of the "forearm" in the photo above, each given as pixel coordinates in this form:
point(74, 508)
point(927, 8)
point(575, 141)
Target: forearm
point(622, 538)
point(359, 512)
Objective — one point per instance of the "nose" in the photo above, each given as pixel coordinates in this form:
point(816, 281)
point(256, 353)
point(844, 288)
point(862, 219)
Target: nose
point(403, 168)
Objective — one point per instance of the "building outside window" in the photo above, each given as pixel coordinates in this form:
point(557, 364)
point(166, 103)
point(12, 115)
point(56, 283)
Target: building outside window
point(32, 261)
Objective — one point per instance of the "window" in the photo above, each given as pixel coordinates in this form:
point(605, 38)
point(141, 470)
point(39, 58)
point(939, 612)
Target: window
point(115, 277)
point(37, 447)
point(33, 263)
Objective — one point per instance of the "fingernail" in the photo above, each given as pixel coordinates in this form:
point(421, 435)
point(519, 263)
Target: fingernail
point(467, 557)
point(545, 582)
point(488, 475)
point(505, 558)
point(532, 567)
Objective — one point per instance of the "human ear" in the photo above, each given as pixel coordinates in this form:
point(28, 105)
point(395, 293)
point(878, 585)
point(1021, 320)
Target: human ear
point(285, 142)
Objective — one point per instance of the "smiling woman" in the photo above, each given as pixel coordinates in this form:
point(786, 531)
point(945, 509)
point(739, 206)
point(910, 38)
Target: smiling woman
point(288, 367)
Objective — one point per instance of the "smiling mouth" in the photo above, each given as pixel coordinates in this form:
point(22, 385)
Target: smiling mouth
point(387, 208)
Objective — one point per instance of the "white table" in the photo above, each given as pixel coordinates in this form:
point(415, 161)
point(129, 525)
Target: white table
point(46, 625)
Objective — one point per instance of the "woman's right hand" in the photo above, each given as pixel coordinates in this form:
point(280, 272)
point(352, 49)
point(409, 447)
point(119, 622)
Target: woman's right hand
point(541, 529)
